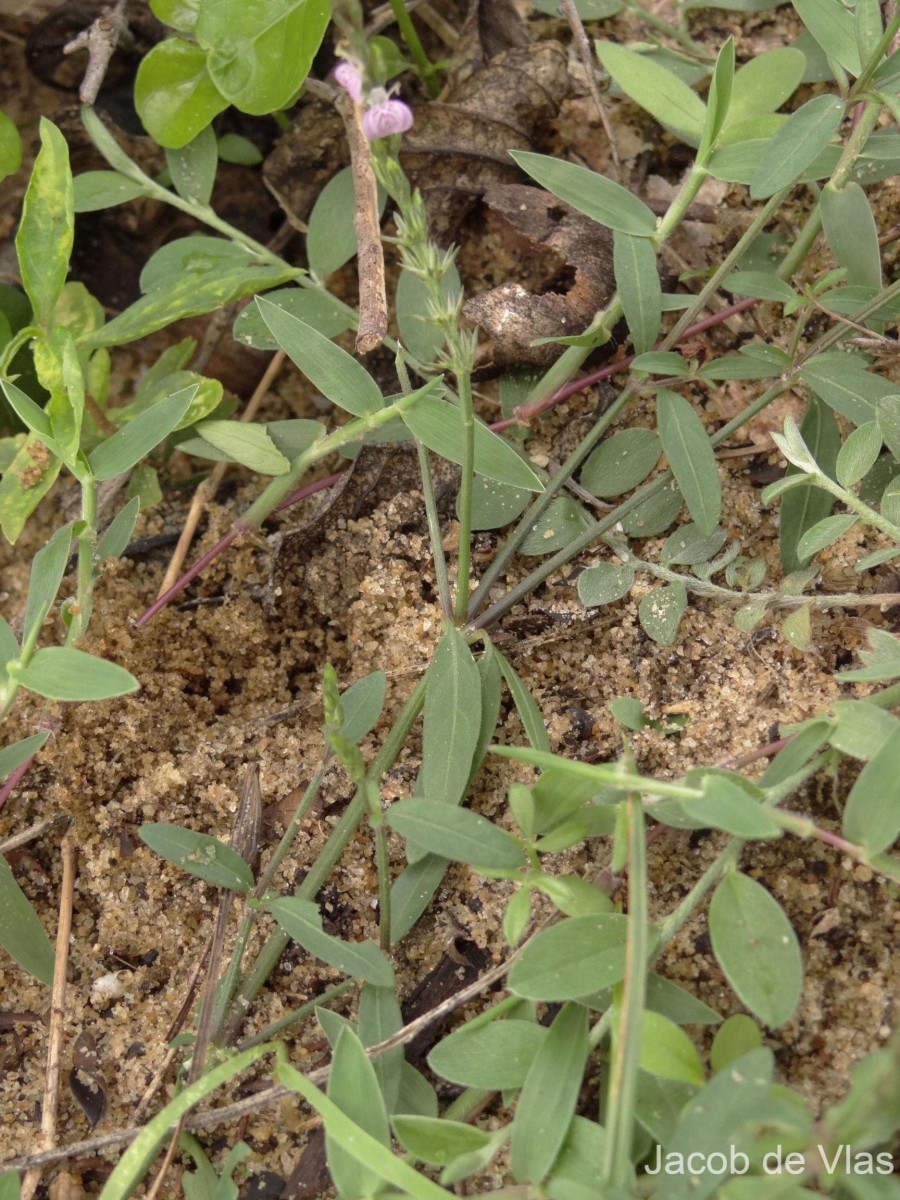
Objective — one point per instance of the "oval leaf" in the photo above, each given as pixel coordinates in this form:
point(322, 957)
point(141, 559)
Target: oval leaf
point(756, 947)
point(604, 584)
point(660, 612)
point(804, 135)
point(579, 956)
point(200, 855)
point(21, 933)
point(496, 1056)
point(621, 462)
point(63, 673)
point(456, 833)
point(656, 90)
point(691, 458)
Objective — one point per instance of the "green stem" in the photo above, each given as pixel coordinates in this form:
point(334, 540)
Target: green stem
point(464, 557)
point(383, 864)
point(299, 1014)
point(671, 31)
point(324, 864)
point(87, 541)
point(626, 1049)
point(882, 46)
point(414, 45)
point(353, 431)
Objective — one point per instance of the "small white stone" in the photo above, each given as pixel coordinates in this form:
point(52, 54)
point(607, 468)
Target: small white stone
point(107, 990)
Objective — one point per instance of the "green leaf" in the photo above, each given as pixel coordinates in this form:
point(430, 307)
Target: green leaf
point(437, 424)
point(63, 673)
point(526, 706)
point(832, 26)
point(193, 167)
point(438, 1141)
point(844, 383)
point(362, 704)
point(756, 947)
point(689, 547)
point(497, 1056)
point(259, 55)
point(456, 833)
point(738, 162)
point(174, 93)
point(418, 333)
point(760, 285)
point(452, 721)
point(185, 278)
point(655, 514)
point(764, 83)
point(357, 1142)
point(353, 1087)
point(851, 233)
point(604, 584)
point(727, 806)
point(411, 892)
point(872, 811)
point(858, 454)
point(96, 190)
point(805, 134)
point(661, 610)
point(578, 956)
point(563, 520)
point(47, 570)
point(46, 230)
point(737, 1036)
point(331, 230)
point(495, 504)
point(128, 445)
point(882, 659)
point(318, 309)
point(9, 1186)
point(640, 292)
point(301, 920)
point(417, 1098)
point(547, 1103)
point(823, 533)
point(21, 933)
point(245, 443)
point(667, 1051)
point(180, 14)
point(794, 756)
point(378, 1018)
point(200, 855)
point(328, 368)
point(718, 104)
point(805, 506)
point(588, 10)
point(24, 484)
point(12, 757)
point(118, 533)
point(10, 147)
point(660, 362)
point(599, 198)
point(861, 729)
point(691, 458)
point(797, 628)
point(656, 90)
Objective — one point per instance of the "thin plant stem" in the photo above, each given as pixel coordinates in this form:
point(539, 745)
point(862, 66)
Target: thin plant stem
point(87, 540)
point(464, 558)
point(674, 32)
point(417, 51)
point(627, 1042)
point(441, 573)
point(299, 1014)
point(383, 864)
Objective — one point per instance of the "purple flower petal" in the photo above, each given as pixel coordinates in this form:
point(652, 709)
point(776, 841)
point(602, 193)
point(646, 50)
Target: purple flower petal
point(385, 118)
point(350, 78)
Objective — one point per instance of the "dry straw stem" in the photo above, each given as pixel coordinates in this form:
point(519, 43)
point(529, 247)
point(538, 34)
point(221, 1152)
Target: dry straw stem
point(373, 314)
point(57, 1010)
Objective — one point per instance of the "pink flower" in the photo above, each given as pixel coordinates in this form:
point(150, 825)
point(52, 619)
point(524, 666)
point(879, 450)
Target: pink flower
point(349, 76)
point(386, 117)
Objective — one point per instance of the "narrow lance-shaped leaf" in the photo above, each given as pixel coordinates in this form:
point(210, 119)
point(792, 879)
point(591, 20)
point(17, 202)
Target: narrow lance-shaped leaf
point(804, 135)
point(200, 855)
point(12, 757)
point(805, 506)
point(597, 197)
point(851, 233)
point(872, 813)
point(302, 921)
point(353, 1087)
point(547, 1103)
point(656, 90)
point(47, 570)
point(640, 292)
point(719, 101)
point(456, 833)
point(452, 720)
point(21, 933)
point(831, 24)
point(691, 458)
point(46, 231)
point(63, 673)
point(329, 368)
point(128, 445)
